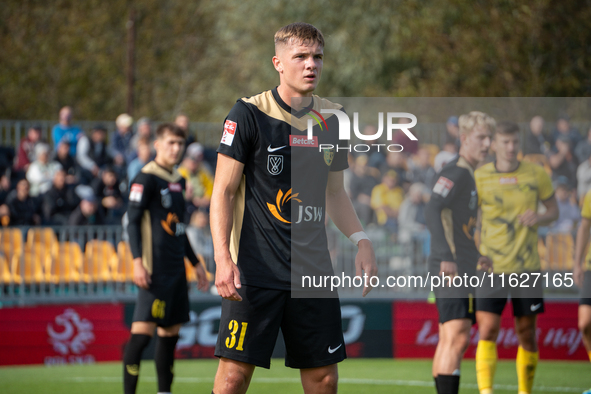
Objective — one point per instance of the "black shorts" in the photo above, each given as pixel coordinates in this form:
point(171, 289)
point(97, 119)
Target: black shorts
point(526, 300)
point(586, 289)
point(311, 327)
point(165, 303)
point(451, 308)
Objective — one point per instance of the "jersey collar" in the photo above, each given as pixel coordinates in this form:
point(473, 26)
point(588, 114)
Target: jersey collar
point(283, 104)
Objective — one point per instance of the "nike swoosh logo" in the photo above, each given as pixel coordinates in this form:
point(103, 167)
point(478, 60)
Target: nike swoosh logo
point(274, 149)
point(535, 307)
point(331, 351)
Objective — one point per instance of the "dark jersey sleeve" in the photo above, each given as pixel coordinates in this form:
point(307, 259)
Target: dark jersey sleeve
point(448, 185)
point(140, 193)
point(240, 132)
point(189, 252)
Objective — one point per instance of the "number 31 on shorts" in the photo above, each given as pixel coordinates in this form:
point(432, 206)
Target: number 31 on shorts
point(231, 340)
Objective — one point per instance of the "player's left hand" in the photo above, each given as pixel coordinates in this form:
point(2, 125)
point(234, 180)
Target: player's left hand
point(484, 264)
point(202, 282)
point(365, 262)
point(529, 218)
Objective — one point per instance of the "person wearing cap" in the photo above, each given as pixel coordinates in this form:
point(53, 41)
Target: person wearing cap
point(120, 147)
point(452, 132)
point(92, 153)
point(87, 212)
point(26, 148)
point(198, 177)
point(564, 128)
point(41, 172)
point(65, 130)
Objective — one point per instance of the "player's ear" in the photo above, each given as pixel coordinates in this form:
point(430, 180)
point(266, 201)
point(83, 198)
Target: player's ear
point(277, 64)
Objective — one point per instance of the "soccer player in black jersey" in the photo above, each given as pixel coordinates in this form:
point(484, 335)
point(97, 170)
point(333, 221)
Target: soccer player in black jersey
point(451, 218)
point(159, 245)
point(252, 222)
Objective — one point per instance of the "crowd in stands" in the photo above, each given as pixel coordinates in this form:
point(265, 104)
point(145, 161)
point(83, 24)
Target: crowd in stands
point(82, 177)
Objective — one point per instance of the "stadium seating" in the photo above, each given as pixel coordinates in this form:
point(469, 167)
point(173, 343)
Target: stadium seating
point(68, 264)
point(40, 251)
point(560, 249)
point(12, 247)
point(100, 262)
point(124, 272)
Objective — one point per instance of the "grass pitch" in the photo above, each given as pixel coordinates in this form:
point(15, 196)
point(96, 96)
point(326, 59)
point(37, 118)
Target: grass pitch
point(356, 376)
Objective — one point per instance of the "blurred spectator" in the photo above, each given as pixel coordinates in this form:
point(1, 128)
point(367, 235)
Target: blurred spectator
point(386, 199)
point(182, 121)
point(41, 171)
point(92, 153)
point(87, 212)
point(376, 154)
point(67, 162)
point(421, 170)
point(26, 149)
point(144, 154)
point(120, 147)
point(563, 128)
point(563, 162)
point(59, 201)
point(584, 178)
point(569, 212)
point(453, 133)
point(107, 192)
point(412, 216)
point(199, 178)
point(199, 234)
point(397, 162)
point(4, 187)
point(24, 209)
point(442, 159)
point(64, 130)
point(363, 179)
point(410, 147)
point(583, 148)
point(144, 133)
point(535, 143)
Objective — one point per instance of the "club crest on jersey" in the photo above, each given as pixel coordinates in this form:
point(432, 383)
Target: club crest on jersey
point(328, 155)
point(473, 200)
point(166, 198)
point(275, 164)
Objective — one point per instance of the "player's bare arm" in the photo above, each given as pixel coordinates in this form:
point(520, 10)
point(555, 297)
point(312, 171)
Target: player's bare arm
point(530, 218)
point(581, 243)
point(342, 213)
point(228, 176)
point(141, 277)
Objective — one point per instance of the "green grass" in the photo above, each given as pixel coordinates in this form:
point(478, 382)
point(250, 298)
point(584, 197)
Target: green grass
point(356, 376)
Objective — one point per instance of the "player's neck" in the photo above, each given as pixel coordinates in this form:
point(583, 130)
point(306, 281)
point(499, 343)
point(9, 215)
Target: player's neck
point(167, 167)
point(287, 94)
point(506, 165)
point(473, 163)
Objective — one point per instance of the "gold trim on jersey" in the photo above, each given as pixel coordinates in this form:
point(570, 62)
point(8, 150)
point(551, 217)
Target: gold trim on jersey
point(267, 104)
point(155, 169)
point(238, 217)
point(146, 231)
point(448, 229)
point(464, 164)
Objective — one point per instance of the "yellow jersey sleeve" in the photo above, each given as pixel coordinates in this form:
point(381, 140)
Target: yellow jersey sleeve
point(586, 212)
point(545, 188)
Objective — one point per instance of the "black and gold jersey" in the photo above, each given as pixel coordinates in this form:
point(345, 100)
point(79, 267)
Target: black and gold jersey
point(451, 217)
point(156, 230)
point(586, 213)
point(279, 212)
point(503, 197)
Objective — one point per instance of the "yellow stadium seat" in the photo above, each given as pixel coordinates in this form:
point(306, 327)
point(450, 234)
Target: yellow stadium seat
point(543, 253)
point(125, 269)
point(5, 275)
point(11, 240)
point(560, 252)
point(100, 261)
point(40, 251)
point(68, 264)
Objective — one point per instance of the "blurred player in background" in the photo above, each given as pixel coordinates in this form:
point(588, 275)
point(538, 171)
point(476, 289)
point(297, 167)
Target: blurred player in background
point(451, 218)
point(582, 274)
point(509, 192)
point(159, 245)
point(253, 236)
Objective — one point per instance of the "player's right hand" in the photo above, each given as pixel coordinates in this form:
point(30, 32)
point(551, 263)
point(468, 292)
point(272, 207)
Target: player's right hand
point(448, 268)
point(227, 280)
point(140, 276)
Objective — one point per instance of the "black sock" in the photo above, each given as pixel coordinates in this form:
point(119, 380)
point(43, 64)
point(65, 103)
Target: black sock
point(448, 384)
point(131, 361)
point(164, 360)
point(436, 384)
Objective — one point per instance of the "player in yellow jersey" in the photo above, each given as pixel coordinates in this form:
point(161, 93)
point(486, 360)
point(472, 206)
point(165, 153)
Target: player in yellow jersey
point(509, 192)
point(582, 275)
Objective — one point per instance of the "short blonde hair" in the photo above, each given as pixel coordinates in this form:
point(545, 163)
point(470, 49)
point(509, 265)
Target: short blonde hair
point(476, 119)
point(301, 32)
